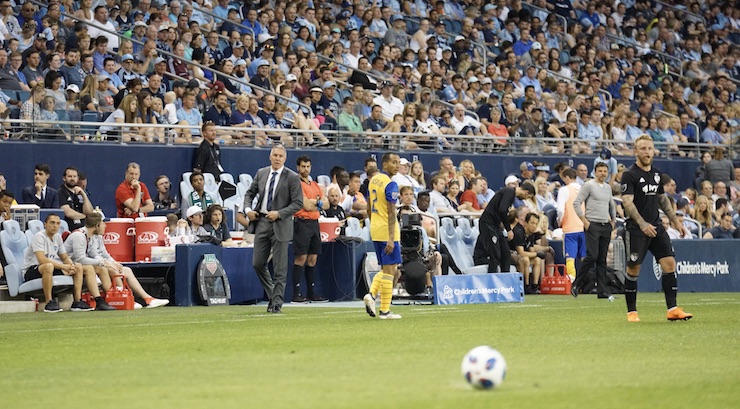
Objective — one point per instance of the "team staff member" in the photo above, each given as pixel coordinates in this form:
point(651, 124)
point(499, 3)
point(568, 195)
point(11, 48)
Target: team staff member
point(132, 196)
point(598, 221)
point(280, 197)
point(73, 200)
point(307, 234)
point(492, 246)
point(386, 235)
point(208, 156)
point(642, 196)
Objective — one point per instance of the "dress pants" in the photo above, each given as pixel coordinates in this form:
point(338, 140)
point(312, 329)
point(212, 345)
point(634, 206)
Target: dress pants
point(598, 237)
point(264, 242)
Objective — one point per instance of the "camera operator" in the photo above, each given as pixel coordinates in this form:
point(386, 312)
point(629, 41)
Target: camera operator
point(429, 255)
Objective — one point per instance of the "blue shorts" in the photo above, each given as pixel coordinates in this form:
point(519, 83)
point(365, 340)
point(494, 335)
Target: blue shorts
point(574, 245)
point(388, 259)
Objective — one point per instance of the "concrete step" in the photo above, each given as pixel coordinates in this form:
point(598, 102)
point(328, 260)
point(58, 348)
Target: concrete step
point(7, 307)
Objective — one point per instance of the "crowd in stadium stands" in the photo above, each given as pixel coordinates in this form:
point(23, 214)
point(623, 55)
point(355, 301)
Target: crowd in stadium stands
point(587, 76)
point(584, 75)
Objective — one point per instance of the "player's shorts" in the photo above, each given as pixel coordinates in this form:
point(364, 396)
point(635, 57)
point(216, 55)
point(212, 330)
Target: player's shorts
point(574, 245)
point(33, 273)
point(388, 259)
point(637, 244)
point(306, 237)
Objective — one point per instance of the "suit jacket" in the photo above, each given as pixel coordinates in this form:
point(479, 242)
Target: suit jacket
point(288, 199)
point(51, 200)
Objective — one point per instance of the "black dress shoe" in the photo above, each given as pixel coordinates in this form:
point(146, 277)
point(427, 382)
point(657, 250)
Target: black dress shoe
point(277, 310)
point(270, 308)
point(299, 299)
point(318, 298)
point(574, 291)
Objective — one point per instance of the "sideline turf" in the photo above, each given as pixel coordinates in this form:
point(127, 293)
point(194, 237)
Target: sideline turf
point(562, 353)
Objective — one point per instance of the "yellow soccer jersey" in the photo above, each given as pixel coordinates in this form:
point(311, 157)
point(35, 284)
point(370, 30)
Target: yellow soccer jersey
point(382, 191)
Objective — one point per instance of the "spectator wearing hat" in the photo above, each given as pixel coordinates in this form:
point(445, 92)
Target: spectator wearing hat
point(588, 134)
point(531, 79)
point(126, 72)
point(138, 34)
point(266, 54)
point(240, 72)
point(103, 94)
point(262, 77)
point(391, 105)
point(605, 156)
point(396, 35)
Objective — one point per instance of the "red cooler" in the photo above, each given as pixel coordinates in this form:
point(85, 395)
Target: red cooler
point(150, 232)
point(119, 239)
point(330, 228)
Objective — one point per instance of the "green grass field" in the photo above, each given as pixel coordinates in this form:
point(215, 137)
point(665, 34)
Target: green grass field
point(561, 353)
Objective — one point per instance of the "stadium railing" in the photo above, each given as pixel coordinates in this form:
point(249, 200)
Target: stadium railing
point(603, 92)
point(88, 131)
point(532, 8)
point(682, 10)
point(675, 62)
point(692, 123)
point(204, 67)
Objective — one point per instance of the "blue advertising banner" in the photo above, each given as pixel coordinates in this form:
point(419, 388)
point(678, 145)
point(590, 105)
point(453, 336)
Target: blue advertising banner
point(701, 266)
point(478, 288)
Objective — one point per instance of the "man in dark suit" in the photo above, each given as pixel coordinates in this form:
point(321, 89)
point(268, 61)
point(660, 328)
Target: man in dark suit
point(280, 196)
point(40, 193)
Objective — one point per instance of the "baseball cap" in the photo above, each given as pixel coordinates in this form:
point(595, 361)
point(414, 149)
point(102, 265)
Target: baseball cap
point(238, 44)
point(315, 89)
point(328, 84)
point(139, 24)
point(127, 57)
point(336, 30)
point(386, 84)
point(511, 179)
point(263, 63)
point(240, 62)
point(193, 83)
point(159, 60)
point(193, 210)
point(103, 77)
point(217, 86)
point(545, 168)
point(527, 165)
point(536, 45)
point(486, 80)
point(459, 38)
point(73, 87)
point(472, 80)
point(397, 17)
point(489, 7)
point(680, 213)
point(179, 84)
point(40, 36)
point(605, 154)
point(163, 28)
point(404, 161)
point(290, 77)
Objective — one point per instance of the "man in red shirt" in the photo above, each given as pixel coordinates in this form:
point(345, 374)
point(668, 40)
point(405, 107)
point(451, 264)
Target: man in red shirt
point(132, 196)
point(306, 233)
point(469, 199)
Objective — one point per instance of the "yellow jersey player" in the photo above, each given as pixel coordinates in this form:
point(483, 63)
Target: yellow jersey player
point(386, 235)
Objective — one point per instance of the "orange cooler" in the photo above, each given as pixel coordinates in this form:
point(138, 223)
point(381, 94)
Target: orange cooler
point(150, 232)
point(119, 239)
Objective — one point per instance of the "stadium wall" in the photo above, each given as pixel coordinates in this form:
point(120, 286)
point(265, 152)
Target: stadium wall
point(105, 164)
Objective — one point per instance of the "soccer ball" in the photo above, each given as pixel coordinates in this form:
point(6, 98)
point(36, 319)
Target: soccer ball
point(484, 367)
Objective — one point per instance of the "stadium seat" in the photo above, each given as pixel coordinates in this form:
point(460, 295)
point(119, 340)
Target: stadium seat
point(451, 238)
point(227, 177)
point(353, 228)
point(211, 187)
point(246, 180)
point(185, 189)
point(13, 242)
point(186, 176)
point(34, 226)
point(365, 235)
point(467, 234)
point(323, 180)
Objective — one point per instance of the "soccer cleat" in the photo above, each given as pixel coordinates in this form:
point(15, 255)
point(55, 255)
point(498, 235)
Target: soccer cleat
point(80, 305)
point(369, 304)
point(156, 302)
point(676, 314)
point(387, 315)
point(632, 317)
point(52, 306)
point(299, 299)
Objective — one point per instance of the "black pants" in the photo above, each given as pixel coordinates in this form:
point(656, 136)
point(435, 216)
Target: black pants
point(598, 237)
point(492, 247)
